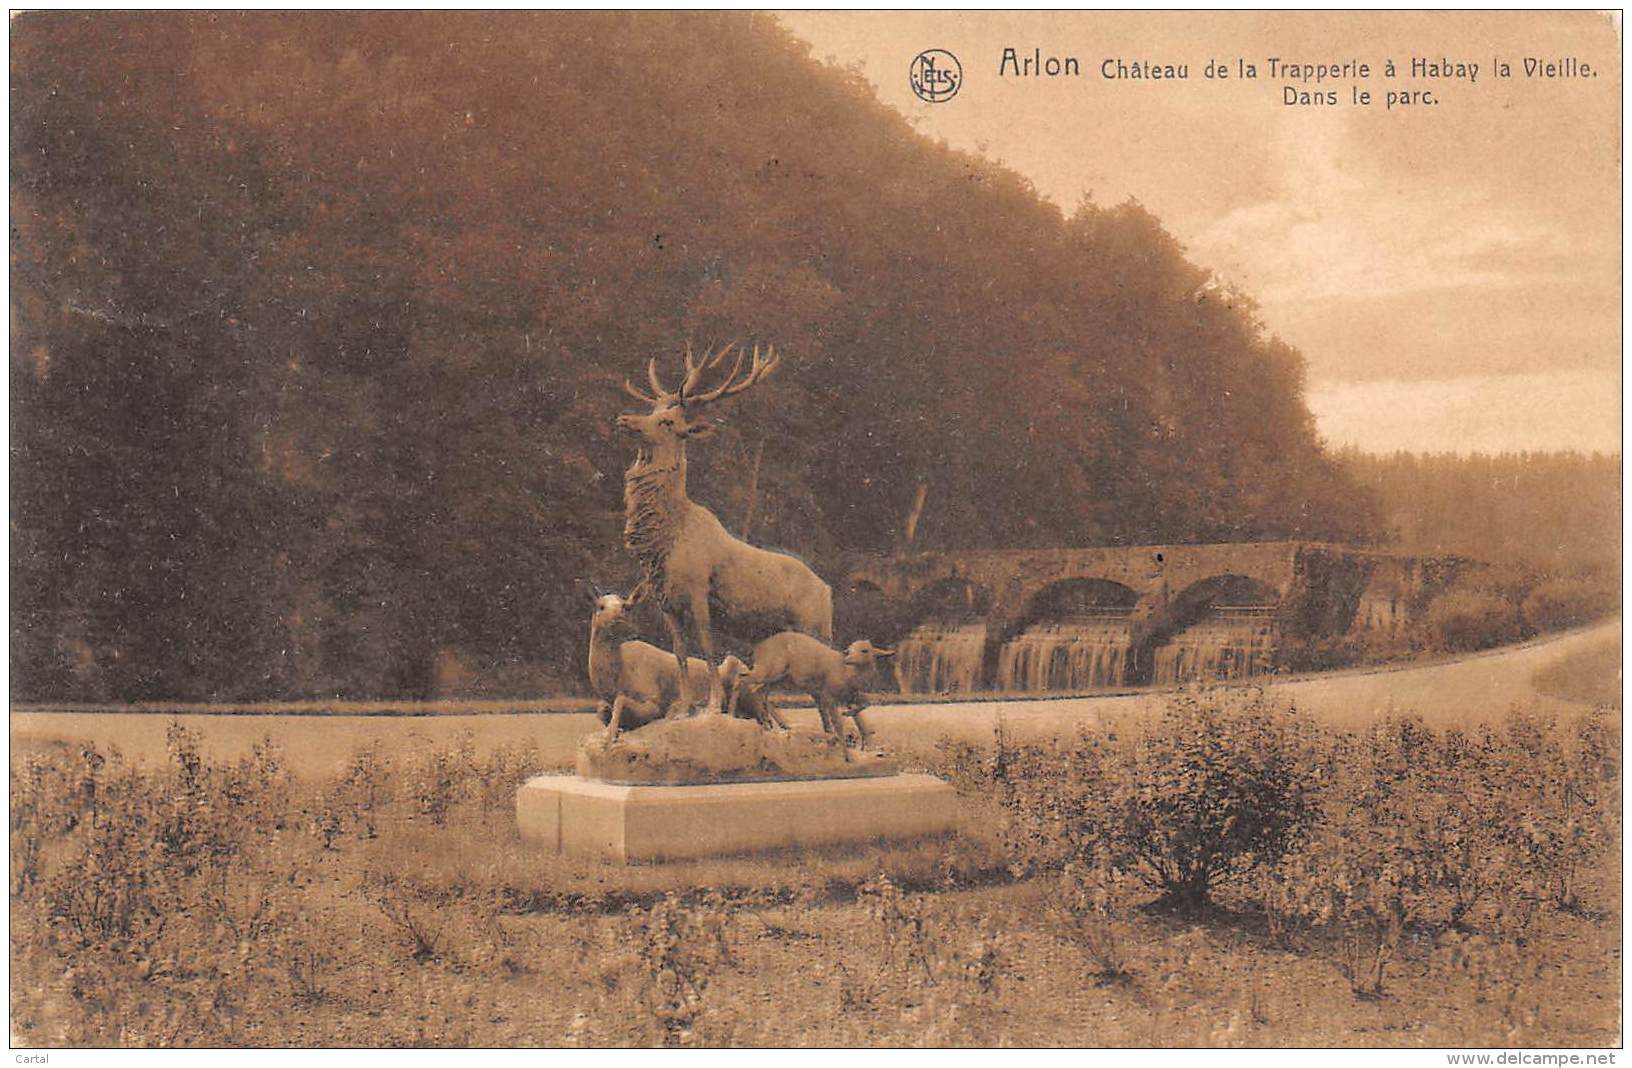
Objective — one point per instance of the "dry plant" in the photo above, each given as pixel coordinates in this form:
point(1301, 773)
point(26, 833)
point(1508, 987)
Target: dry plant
point(200, 902)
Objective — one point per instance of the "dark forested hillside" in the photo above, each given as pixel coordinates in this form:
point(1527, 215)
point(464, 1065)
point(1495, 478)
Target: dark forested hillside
point(318, 322)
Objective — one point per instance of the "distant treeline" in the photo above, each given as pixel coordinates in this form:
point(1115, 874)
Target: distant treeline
point(1552, 512)
point(318, 322)
point(1544, 527)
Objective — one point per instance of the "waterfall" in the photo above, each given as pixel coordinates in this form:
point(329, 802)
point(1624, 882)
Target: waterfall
point(1230, 644)
point(941, 658)
point(1083, 653)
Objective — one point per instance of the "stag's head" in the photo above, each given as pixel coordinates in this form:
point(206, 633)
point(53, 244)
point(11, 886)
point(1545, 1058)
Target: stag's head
point(674, 415)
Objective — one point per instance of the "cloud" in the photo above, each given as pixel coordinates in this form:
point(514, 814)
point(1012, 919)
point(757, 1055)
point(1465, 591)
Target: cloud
point(1478, 239)
point(1338, 226)
point(1478, 413)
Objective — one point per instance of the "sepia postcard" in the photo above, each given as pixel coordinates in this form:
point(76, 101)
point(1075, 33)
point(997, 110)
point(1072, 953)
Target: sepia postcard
point(832, 529)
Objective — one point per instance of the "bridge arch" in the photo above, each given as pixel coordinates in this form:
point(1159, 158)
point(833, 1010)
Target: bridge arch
point(1225, 590)
point(949, 600)
point(1073, 598)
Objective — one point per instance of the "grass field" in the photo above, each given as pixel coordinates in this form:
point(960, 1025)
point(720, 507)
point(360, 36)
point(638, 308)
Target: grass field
point(192, 900)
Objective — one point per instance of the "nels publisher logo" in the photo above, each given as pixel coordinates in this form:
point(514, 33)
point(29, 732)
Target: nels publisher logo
point(936, 75)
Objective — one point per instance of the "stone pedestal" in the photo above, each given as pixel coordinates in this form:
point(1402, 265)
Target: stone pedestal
point(570, 814)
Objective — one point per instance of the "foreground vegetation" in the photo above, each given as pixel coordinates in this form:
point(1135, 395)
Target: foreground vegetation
point(1231, 875)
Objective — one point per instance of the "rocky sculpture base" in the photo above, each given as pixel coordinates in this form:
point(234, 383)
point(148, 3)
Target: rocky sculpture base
point(712, 786)
point(710, 750)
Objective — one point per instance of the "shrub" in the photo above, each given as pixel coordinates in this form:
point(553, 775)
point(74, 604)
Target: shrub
point(1400, 844)
point(310, 969)
point(444, 779)
point(412, 912)
point(1466, 620)
point(260, 782)
point(1295, 898)
point(362, 794)
point(925, 961)
point(1055, 799)
point(1202, 795)
point(42, 812)
point(1560, 603)
point(154, 892)
point(1208, 793)
point(1562, 823)
point(903, 928)
point(507, 767)
point(680, 946)
point(1428, 832)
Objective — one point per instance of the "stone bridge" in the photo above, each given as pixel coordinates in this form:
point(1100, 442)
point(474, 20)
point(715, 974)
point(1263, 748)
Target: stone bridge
point(1311, 590)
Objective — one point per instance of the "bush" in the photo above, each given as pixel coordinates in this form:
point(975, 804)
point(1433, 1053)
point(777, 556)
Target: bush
point(1391, 839)
point(1086, 911)
point(1561, 603)
point(444, 779)
point(1466, 620)
point(919, 962)
point(1209, 793)
point(1053, 799)
point(1348, 840)
point(1561, 822)
point(1204, 794)
point(1428, 832)
point(680, 946)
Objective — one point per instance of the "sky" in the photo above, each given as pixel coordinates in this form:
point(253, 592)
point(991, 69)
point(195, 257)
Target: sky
point(1450, 271)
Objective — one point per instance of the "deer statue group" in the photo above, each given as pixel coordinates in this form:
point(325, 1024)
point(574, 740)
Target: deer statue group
point(697, 574)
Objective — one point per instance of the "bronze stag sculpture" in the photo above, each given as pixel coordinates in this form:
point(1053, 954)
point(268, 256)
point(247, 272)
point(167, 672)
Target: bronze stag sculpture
point(691, 567)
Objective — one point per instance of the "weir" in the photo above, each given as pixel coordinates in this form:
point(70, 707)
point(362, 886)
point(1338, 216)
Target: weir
point(937, 658)
point(1085, 653)
point(1079, 620)
point(1233, 644)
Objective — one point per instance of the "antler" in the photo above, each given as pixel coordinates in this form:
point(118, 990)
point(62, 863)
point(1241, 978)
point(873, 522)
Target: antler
point(638, 394)
point(710, 360)
point(695, 369)
point(757, 371)
point(651, 376)
point(658, 393)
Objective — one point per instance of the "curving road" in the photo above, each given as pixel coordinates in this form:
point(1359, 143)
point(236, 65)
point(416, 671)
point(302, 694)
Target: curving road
point(1459, 691)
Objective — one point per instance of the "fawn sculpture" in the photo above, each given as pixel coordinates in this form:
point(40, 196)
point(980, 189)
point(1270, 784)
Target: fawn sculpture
point(834, 679)
point(637, 682)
